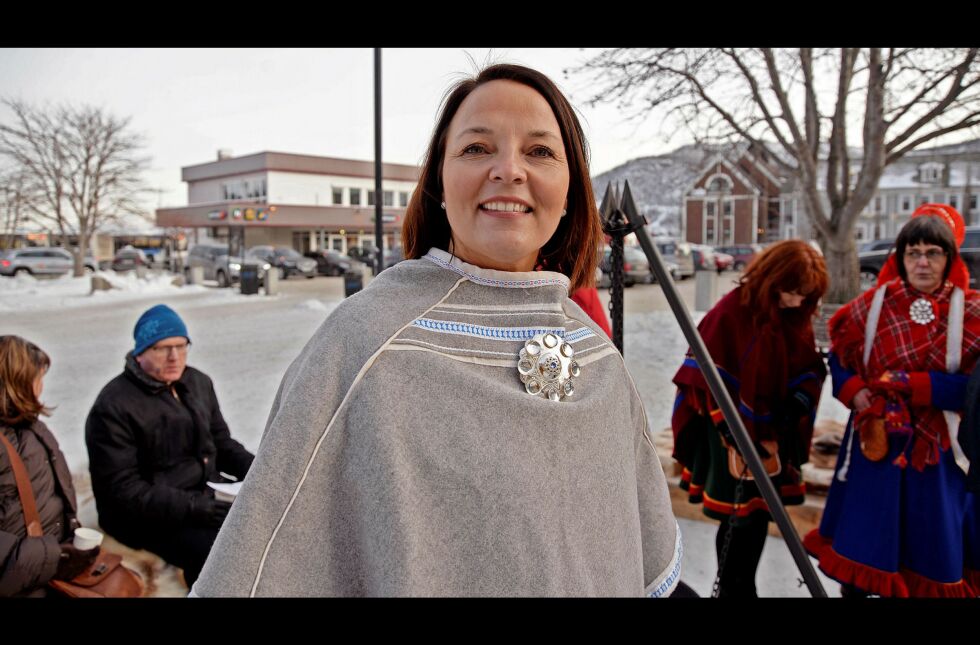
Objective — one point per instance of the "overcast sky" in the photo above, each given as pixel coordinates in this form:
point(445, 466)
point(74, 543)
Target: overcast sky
point(190, 102)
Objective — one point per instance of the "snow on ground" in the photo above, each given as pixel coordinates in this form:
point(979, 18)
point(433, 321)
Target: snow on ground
point(24, 292)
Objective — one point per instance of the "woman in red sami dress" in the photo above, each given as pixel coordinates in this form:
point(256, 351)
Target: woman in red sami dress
point(899, 520)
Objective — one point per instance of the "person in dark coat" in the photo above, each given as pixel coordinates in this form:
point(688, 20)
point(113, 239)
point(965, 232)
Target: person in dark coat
point(760, 337)
point(28, 563)
point(155, 438)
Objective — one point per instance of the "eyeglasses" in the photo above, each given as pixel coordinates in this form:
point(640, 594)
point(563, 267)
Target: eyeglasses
point(164, 350)
point(932, 255)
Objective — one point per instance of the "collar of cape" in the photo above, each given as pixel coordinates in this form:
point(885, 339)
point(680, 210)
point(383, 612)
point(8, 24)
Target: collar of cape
point(494, 278)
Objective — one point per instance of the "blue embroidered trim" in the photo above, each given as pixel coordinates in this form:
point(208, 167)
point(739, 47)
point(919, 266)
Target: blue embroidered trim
point(734, 382)
point(510, 284)
point(499, 333)
point(748, 412)
point(675, 574)
point(579, 334)
point(479, 331)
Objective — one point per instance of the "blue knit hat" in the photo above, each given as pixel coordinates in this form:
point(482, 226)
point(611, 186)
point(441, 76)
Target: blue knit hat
point(155, 324)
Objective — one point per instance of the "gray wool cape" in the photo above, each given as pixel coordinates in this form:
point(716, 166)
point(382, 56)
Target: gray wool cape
point(404, 457)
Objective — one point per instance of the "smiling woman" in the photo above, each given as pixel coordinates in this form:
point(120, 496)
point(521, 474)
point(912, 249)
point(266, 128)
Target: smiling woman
point(461, 427)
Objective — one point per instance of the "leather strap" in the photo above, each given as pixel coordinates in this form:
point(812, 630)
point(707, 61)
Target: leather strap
point(27, 503)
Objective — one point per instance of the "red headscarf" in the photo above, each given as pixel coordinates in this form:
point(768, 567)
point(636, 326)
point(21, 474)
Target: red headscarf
point(958, 273)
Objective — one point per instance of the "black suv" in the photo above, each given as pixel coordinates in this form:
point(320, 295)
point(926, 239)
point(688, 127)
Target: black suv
point(873, 255)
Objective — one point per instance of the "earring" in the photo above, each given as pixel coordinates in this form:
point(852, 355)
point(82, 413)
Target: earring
point(442, 205)
point(564, 212)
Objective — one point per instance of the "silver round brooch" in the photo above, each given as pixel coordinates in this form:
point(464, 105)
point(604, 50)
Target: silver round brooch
point(921, 312)
point(547, 367)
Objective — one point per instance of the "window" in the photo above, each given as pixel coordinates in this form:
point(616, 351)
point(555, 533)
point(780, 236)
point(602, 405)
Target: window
point(906, 203)
point(789, 211)
point(338, 196)
point(973, 202)
point(878, 204)
point(710, 222)
point(403, 199)
point(355, 196)
point(929, 172)
point(370, 201)
point(389, 197)
point(719, 184)
point(254, 189)
point(727, 221)
point(923, 200)
point(954, 200)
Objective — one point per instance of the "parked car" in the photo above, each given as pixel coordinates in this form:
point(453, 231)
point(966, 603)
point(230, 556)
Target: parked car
point(874, 254)
point(128, 258)
point(366, 255)
point(287, 260)
point(742, 254)
point(871, 257)
point(41, 261)
point(704, 257)
point(330, 262)
point(362, 254)
point(636, 267)
point(218, 265)
point(678, 254)
point(723, 261)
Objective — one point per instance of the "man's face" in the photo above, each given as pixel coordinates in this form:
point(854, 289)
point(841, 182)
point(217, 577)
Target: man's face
point(166, 359)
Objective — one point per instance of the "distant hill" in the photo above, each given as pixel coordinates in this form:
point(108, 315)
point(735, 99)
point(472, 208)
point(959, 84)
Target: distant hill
point(658, 184)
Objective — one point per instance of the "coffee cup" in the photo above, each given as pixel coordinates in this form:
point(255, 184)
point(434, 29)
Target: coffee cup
point(87, 539)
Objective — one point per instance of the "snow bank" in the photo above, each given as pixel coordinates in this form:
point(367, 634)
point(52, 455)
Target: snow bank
point(25, 292)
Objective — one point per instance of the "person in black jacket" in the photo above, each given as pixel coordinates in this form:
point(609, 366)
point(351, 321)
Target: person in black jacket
point(155, 438)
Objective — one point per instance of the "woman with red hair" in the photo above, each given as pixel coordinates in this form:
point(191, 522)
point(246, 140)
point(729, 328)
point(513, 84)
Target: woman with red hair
point(900, 520)
point(761, 339)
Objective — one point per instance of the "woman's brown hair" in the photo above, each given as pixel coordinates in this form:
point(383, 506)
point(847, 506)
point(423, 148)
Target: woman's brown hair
point(789, 266)
point(21, 363)
point(574, 248)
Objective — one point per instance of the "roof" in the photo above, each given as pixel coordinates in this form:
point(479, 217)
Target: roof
point(288, 162)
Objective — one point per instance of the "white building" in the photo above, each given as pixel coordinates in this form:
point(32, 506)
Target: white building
point(946, 174)
point(301, 201)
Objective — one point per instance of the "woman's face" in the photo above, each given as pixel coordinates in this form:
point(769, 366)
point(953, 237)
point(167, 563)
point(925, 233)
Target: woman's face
point(505, 176)
point(924, 266)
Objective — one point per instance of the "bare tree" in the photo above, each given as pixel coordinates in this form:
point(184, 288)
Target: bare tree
point(14, 205)
point(83, 169)
point(808, 104)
